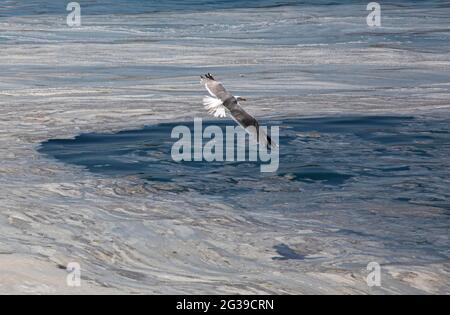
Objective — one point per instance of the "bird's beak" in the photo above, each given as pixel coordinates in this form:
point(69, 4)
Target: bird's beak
point(243, 99)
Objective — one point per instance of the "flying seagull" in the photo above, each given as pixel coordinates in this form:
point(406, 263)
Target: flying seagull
point(221, 101)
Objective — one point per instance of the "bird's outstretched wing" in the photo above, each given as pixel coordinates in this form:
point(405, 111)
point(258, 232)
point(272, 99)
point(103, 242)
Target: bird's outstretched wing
point(248, 122)
point(215, 88)
point(214, 104)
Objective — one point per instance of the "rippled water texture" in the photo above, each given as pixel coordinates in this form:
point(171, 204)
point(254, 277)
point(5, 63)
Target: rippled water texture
point(372, 174)
point(364, 173)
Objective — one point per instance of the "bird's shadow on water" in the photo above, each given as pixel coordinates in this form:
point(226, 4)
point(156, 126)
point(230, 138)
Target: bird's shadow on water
point(327, 150)
point(287, 253)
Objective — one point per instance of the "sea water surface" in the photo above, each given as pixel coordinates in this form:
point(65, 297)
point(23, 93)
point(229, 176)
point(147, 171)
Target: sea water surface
point(87, 175)
point(398, 163)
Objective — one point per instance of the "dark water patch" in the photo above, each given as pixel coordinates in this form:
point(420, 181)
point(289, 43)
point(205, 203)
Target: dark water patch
point(311, 174)
point(101, 7)
point(399, 159)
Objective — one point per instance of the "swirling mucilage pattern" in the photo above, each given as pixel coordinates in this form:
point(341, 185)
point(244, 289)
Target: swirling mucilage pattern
point(372, 187)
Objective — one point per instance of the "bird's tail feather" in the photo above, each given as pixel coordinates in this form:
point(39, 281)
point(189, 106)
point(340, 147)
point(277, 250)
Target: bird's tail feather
point(214, 106)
